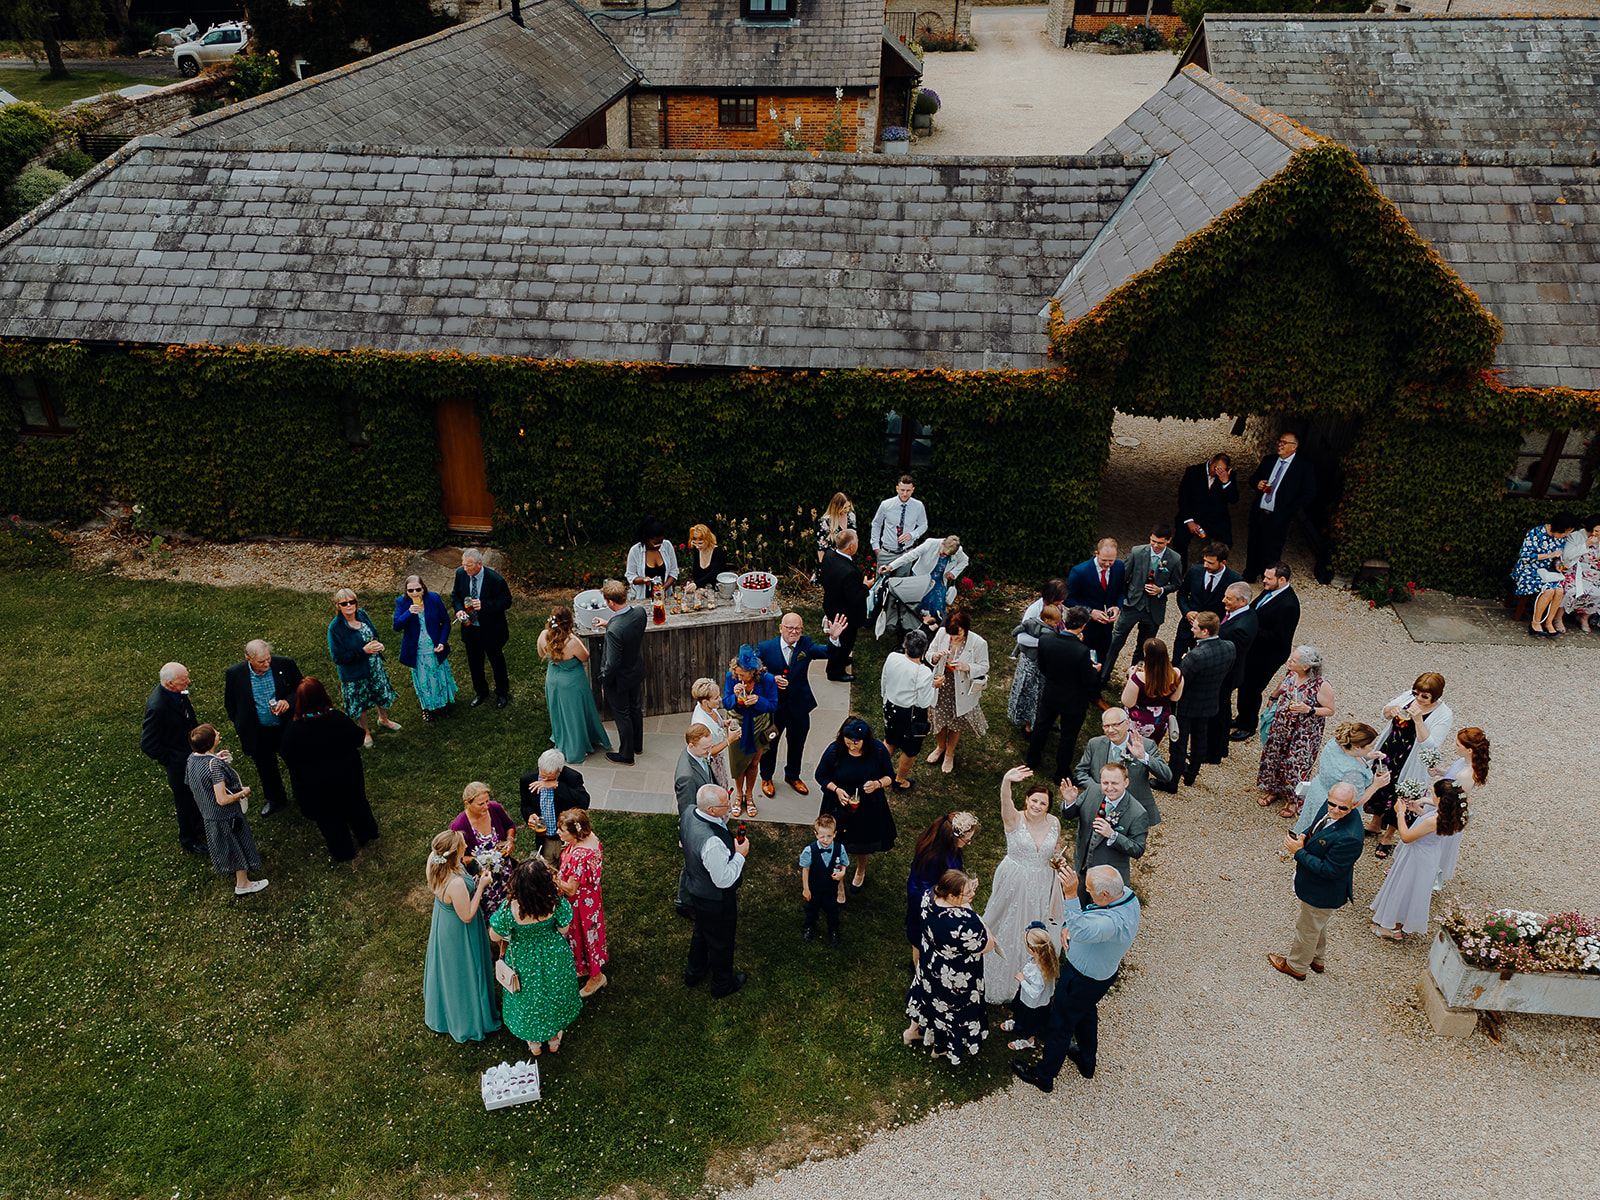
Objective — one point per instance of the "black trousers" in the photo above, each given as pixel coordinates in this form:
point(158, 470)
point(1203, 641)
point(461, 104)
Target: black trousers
point(793, 728)
point(1268, 534)
point(1183, 640)
point(1126, 622)
point(265, 757)
point(827, 904)
point(1217, 734)
point(347, 824)
point(481, 645)
point(191, 829)
point(1071, 725)
point(626, 701)
point(1074, 1013)
point(711, 946)
point(1257, 678)
point(1189, 751)
point(839, 660)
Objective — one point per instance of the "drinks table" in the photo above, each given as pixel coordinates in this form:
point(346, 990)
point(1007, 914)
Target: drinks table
point(688, 646)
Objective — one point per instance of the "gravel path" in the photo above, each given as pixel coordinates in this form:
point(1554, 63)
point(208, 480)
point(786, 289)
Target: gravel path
point(1018, 95)
point(1220, 1077)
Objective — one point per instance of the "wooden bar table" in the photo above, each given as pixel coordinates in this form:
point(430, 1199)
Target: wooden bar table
point(688, 646)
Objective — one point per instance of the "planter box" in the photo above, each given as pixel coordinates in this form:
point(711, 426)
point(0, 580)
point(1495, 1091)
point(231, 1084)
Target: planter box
point(1556, 993)
point(896, 147)
point(922, 121)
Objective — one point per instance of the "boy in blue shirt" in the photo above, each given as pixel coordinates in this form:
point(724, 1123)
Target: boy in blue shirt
point(822, 868)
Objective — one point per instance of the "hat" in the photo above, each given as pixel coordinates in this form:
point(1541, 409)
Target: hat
point(748, 659)
point(855, 728)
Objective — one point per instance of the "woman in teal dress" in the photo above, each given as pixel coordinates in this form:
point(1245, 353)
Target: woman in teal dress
point(530, 928)
point(575, 727)
point(356, 651)
point(1349, 756)
point(458, 978)
point(423, 621)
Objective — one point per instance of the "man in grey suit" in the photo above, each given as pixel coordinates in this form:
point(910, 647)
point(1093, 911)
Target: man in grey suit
point(1154, 573)
point(694, 767)
point(622, 672)
point(1111, 824)
point(1119, 742)
point(1205, 671)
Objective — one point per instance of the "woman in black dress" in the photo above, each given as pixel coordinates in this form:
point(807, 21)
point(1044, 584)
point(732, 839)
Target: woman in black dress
point(945, 1002)
point(706, 559)
point(323, 749)
point(855, 776)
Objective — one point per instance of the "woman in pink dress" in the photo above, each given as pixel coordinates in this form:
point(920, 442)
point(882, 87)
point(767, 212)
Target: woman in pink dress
point(578, 879)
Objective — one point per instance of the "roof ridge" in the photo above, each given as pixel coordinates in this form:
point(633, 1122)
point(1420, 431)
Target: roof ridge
point(1309, 18)
point(1477, 156)
point(1287, 130)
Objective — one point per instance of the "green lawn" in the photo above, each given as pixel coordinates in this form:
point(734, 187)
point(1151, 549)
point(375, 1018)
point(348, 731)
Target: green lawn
point(158, 1038)
point(56, 93)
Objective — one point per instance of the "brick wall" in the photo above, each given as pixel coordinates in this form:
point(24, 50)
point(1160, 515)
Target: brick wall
point(942, 15)
point(692, 121)
point(1089, 24)
point(158, 109)
point(644, 119)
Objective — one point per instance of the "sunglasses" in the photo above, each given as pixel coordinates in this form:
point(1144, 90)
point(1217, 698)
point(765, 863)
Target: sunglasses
point(347, 604)
point(1339, 807)
point(413, 590)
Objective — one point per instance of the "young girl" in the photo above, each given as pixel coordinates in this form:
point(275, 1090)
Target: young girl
point(1037, 986)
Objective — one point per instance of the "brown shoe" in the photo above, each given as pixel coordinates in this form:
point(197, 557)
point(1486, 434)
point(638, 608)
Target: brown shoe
point(1318, 966)
point(766, 788)
point(799, 785)
point(1280, 963)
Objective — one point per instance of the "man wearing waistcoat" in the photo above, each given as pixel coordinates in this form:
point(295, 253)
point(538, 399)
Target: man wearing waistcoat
point(713, 869)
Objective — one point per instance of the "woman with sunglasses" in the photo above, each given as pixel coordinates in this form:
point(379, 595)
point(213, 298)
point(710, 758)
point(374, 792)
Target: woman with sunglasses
point(1418, 720)
point(356, 651)
point(420, 613)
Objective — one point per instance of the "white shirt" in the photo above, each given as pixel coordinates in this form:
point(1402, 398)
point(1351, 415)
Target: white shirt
point(888, 524)
point(723, 865)
point(907, 684)
point(1269, 498)
point(1036, 990)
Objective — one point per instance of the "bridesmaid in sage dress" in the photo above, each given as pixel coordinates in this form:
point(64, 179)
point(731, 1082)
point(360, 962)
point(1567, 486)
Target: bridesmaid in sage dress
point(575, 727)
point(531, 927)
point(1025, 888)
point(458, 977)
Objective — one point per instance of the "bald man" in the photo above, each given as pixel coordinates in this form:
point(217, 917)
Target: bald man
point(1324, 878)
point(168, 718)
point(713, 868)
point(257, 693)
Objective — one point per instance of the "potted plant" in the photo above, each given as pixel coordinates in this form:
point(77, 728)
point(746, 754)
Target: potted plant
point(1519, 961)
point(922, 109)
point(896, 139)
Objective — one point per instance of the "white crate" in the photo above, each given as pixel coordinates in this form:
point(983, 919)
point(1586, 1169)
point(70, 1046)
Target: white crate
point(508, 1084)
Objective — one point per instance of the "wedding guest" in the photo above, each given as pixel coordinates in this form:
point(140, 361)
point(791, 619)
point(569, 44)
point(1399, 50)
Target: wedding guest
point(1206, 492)
point(256, 694)
point(855, 776)
point(544, 793)
point(1113, 827)
point(1300, 707)
point(530, 929)
point(1070, 683)
point(899, 523)
point(1416, 721)
point(1153, 689)
point(788, 658)
point(1468, 772)
point(622, 670)
point(1240, 629)
point(822, 866)
point(1324, 879)
point(1580, 582)
point(168, 719)
point(1285, 486)
point(1350, 756)
point(423, 622)
point(695, 768)
point(722, 728)
point(1097, 585)
point(1205, 669)
point(960, 661)
point(458, 993)
point(907, 686)
point(220, 797)
point(707, 560)
point(1538, 572)
point(1153, 572)
point(578, 879)
point(575, 727)
point(940, 562)
point(939, 849)
point(358, 654)
point(713, 868)
point(750, 693)
point(322, 747)
point(1022, 705)
point(651, 561)
point(1202, 590)
point(1024, 891)
point(839, 516)
point(945, 1001)
point(480, 598)
point(1036, 984)
point(490, 836)
point(1277, 614)
point(1120, 742)
point(844, 594)
point(1405, 901)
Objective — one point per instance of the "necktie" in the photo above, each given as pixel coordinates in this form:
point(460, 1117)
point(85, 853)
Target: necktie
point(901, 528)
point(788, 654)
point(1211, 581)
point(1265, 596)
point(1278, 469)
point(1316, 828)
point(1105, 579)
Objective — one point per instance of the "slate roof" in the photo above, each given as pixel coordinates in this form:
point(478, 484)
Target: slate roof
point(1461, 83)
point(489, 82)
point(705, 44)
point(1213, 148)
point(704, 259)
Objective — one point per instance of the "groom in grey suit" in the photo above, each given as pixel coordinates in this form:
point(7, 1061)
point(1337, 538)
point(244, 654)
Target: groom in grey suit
point(1120, 742)
point(1154, 573)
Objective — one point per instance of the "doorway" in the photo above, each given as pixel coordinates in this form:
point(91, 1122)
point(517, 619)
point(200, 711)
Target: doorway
point(468, 506)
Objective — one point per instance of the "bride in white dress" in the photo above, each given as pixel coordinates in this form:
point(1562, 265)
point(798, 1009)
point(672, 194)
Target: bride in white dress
point(1025, 887)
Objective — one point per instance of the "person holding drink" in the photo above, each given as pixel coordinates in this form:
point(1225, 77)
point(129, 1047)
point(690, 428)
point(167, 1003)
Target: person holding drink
point(423, 621)
point(855, 776)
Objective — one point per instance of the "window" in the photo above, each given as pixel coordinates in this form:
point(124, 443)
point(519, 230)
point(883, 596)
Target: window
point(906, 444)
point(42, 414)
point(1555, 466)
point(767, 10)
point(736, 112)
point(355, 429)
point(1111, 6)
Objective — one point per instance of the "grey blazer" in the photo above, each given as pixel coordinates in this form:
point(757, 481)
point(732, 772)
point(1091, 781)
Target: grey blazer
point(1138, 562)
point(1126, 844)
point(1097, 753)
point(624, 645)
point(692, 774)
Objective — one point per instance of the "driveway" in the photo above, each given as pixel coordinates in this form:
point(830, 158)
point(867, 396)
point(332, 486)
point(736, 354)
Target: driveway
point(1019, 95)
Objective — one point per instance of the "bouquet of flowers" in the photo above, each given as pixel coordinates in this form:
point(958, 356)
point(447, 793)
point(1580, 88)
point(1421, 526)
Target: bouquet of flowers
point(1432, 757)
point(1509, 940)
point(490, 861)
point(1408, 789)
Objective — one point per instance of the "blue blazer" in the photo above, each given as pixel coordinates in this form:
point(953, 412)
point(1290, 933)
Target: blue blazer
point(434, 615)
point(1083, 585)
point(766, 702)
point(345, 648)
point(1324, 872)
point(797, 697)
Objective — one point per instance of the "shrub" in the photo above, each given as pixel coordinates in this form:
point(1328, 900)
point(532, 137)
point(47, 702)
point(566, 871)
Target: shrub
point(71, 162)
point(927, 103)
point(1148, 37)
point(1113, 35)
point(932, 39)
point(254, 74)
point(34, 186)
point(25, 129)
point(29, 548)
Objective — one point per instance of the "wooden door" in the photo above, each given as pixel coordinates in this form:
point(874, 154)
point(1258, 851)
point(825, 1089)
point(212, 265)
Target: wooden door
point(467, 503)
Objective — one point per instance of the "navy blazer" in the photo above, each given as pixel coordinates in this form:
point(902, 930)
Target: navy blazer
point(345, 647)
point(797, 696)
point(1325, 867)
point(434, 615)
point(1242, 630)
point(1083, 585)
point(493, 595)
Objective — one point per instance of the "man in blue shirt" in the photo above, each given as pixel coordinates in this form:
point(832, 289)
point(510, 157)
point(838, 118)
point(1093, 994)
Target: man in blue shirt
point(1096, 936)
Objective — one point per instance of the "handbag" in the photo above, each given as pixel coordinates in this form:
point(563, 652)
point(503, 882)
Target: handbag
point(505, 976)
point(1266, 719)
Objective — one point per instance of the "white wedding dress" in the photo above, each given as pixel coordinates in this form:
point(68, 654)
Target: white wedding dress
point(1025, 890)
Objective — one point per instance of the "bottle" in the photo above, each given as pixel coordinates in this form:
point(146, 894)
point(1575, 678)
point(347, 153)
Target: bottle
point(658, 613)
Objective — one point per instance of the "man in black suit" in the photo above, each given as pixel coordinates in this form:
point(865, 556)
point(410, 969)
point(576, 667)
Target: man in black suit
point(844, 593)
point(1324, 878)
point(1205, 494)
point(480, 598)
point(788, 658)
point(622, 670)
point(1071, 684)
point(1239, 628)
point(1284, 486)
point(256, 694)
point(566, 790)
point(1204, 672)
point(1277, 611)
point(1202, 590)
point(168, 718)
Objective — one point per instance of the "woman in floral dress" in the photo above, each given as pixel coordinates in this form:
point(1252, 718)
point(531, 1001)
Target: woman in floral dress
point(945, 1002)
point(529, 927)
point(578, 879)
point(491, 837)
point(1538, 572)
point(1301, 706)
point(1580, 586)
point(358, 654)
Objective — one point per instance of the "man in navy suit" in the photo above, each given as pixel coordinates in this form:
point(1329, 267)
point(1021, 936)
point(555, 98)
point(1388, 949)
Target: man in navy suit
point(256, 693)
point(1324, 878)
point(480, 598)
point(1284, 487)
point(1239, 627)
point(1202, 591)
point(788, 658)
point(1098, 584)
point(1277, 611)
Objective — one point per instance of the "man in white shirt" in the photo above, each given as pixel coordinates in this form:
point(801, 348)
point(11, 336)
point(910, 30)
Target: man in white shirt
point(900, 523)
point(1284, 487)
point(708, 890)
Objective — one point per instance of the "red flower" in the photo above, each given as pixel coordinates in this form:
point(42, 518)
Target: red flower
point(966, 582)
point(988, 583)
point(1372, 604)
point(683, 545)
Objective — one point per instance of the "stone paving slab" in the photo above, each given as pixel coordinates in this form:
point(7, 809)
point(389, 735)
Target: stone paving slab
point(1441, 618)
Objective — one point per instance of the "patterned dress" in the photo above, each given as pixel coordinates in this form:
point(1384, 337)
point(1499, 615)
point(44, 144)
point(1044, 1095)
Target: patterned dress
point(1582, 583)
point(946, 997)
point(1293, 739)
point(547, 1001)
point(944, 701)
point(587, 933)
point(1525, 576)
point(375, 691)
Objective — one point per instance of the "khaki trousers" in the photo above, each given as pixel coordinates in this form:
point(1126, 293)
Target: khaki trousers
point(1310, 937)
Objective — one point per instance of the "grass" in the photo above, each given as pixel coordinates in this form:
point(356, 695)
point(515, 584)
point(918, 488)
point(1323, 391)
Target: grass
point(158, 1038)
point(57, 93)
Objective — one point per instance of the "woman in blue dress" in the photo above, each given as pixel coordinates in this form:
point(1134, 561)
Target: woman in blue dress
point(458, 976)
point(356, 651)
point(1538, 572)
point(419, 612)
point(1350, 756)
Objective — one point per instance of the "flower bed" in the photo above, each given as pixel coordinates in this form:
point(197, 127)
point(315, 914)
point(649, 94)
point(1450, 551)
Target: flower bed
point(1512, 961)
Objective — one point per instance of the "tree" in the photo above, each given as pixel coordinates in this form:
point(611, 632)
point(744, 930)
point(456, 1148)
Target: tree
point(35, 21)
point(330, 33)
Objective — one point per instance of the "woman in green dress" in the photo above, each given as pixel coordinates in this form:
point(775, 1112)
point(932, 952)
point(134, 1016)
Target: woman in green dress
point(458, 978)
point(530, 928)
point(575, 727)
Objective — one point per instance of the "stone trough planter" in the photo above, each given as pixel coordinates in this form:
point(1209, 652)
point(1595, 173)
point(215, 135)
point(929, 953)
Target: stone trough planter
point(1556, 993)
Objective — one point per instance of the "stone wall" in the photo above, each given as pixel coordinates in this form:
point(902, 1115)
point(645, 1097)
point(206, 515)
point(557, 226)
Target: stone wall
point(644, 120)
point(692, 121)
point(155, 111)
point(942, 15)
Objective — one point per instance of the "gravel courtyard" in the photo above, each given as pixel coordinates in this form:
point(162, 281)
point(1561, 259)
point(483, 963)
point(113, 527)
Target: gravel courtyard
point(1221, 1077)
point(1019, 95)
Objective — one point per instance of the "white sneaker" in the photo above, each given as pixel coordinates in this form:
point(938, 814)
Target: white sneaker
point(1020, 1044)
point(251, 888)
